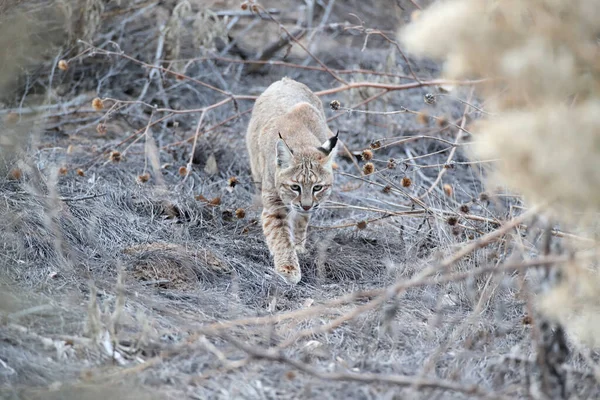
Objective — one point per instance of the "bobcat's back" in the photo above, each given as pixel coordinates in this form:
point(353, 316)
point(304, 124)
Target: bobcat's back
point(288, 108)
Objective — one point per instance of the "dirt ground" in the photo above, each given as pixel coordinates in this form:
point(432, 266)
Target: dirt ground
point(127, 274)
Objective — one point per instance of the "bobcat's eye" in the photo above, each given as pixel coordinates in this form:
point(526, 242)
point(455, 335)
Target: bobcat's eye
point(317, 188)
point(295, 188)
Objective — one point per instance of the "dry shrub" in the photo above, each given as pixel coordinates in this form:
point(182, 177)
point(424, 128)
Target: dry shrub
point(542, 62)
point(180, 36)
point(575, 302)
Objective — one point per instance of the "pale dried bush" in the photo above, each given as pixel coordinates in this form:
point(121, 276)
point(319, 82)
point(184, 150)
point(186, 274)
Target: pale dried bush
point(541, 59)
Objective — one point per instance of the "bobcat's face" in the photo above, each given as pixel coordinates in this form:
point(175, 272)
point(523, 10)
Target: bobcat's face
point(304, 181)
point(305, 184)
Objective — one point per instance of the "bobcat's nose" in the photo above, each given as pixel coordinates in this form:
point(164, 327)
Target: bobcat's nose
point(306, 208)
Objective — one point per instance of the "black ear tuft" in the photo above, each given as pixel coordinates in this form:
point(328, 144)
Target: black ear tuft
point(329, 144)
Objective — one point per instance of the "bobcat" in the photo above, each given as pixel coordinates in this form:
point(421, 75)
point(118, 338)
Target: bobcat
point(291, 155)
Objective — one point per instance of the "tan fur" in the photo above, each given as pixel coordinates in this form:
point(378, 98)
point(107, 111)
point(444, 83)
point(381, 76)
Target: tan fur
point(289, 172)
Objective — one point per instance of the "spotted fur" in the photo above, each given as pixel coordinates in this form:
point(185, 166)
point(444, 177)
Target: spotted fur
point(291, 154)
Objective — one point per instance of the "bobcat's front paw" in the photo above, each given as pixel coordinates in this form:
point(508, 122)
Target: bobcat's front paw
point(290, 272)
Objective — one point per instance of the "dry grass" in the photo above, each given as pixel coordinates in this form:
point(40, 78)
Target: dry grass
point(131, 267)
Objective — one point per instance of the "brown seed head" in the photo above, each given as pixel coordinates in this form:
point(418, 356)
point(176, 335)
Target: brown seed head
point(233, 181)
point(464, 209)
point(179, 77)
point(367, 155)
point(422, 118)
point(290, 375)
point(368, 168)
point(144, 177)
point(406, 182)
point(375, 144)
point(448, 190)
point(215, 202)
point(80, 172)
point(15, 174)
point(456, 230)
point(335, 105)
point(483, 196)
point(97, 104)
point(63, 171)
point(442, 122)
point(63, 65)
point(391, 163)
point(452, 221)
point(254, 8)
point(429, 98)
point(101, 129)
point(115, 156)
point(240, 213)
point(244, 6)
point(183, 171)
point(361, 225)
point(387, 189)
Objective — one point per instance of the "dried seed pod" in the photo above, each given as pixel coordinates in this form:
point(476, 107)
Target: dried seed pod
point(391, 163)
point(368, 168)
point(448, 189)
point(63, 65)
point(115, 156)
point(442, 122)
point(406, 182)
point(452, 221)
point(387, 189)
point(232, 181)
point(183, 171)
point(367, 155)
point(15, 174)
point(97, 104)
point(335, 105)
point(144, 178)
point(361, 225)
point(464, 209)
point(429, 98)
point(375, 144)
point(240, 213)
point(101, 129)
point(422, 118)
point(80, 172)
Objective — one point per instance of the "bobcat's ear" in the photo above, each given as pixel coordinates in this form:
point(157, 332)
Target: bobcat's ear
point(283, 154)
point(329, 146)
